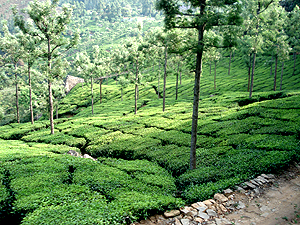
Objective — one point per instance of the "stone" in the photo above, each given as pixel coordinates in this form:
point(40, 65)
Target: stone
point(153, 219)
point(223, 208)
point(73, 153)
point(253, 182)
point(211, 212)
point(258, 181)
point(264, 208)
point(220, 197)
point(230, 197)
point(208, 203)
point(146, 222)
point(177, 222)
point(240, 205)
point(172, 213)
point(203, 215)
point(71, 82)
point(250, 185)
point(195, 205)
point(86, 156)
point(185, 221)
point(186, 209)
point(226, 221)
point(263, 180)
point(264, 214)
point(228, 192)
point(199, 220)
point(271, 176)
point(202, 209)
point(241, 190)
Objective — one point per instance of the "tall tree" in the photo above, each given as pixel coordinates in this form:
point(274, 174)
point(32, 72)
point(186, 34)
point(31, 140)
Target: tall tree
point(202, 16)
point(50, 23)
point(13, 52)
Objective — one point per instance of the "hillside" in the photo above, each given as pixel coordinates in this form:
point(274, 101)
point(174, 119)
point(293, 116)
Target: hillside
point(143, 160)
point(5, 6)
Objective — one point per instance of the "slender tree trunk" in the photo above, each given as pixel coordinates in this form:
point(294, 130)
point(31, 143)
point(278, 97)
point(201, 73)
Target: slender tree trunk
point(282, 67)
point(50, 89)
point(275, 74)
point(180, 76)
point(165, 78)
point(51, 105)
point(177, 76)
point(136, 86)
point(252, 75)
point(229, 63)
point(158, 81)
point(295, 58)
point(92, 96)
point(271, 72)
point(196, 99)
point(100, 91)
point(215, 77)
point(17, 95)
point(57, 110)
point(30, 96)
point(249, 72)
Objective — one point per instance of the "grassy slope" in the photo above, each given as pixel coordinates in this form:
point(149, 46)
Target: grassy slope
point(238, 138)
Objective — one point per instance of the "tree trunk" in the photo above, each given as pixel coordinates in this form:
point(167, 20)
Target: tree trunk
point(215, 77)
point(30, 96)
point(295, 58)
point(249, 72)
point(165, 79)
point(229, 63)
point(17, 95)
point(281, 75)
point(51, 105)
point(196, 99)
point(177, 76)
point(180, 76)
point(100, 91)
point(57, 110)
point(158, 82)
point(275, 74)
point(136, 86)
point(252, 75)
point(50, 88)
point(92, 96)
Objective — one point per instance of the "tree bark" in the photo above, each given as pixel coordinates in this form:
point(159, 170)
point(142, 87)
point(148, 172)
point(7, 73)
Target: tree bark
point(136, 86)
point(92, 96)
point(50, 88)
point(51, 105)
point(275, 74)
point(252, 75)
point(215, 77)
point(282, 67)
point(229, 63)
point(17, 95)
point(177, 76)
point(165, 79)
point(249, 72)
point(100, 91)
point(196, 98)
point(30, 96)
point(158, 82)
point(295, 58)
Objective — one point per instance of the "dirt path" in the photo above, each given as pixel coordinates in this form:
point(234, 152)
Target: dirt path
point(277, 205)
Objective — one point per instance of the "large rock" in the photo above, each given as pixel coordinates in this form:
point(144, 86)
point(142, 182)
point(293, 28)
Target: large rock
point(172, 213)
point(73, 153)
point(220, 198)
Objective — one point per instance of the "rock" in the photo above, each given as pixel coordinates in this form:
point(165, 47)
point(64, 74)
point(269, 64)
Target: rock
point(211, 212)
point(203, 215)
point(220, 197)
point(202, 209)
point(208, 203)
point(153, 219)
point(271, 176)
point(258, 181)
point(264, 214)
point(230, 197)
point(240, 205)
point(264, 208)
point(199, 220)
point(186, 210)
point(172, 213)
point(263, 180)
point(226, 222)
point(254, 182)
point(241, 190)
point(86, 156)
point(177, 222)
point(228, 192)
point(185, 221)
point(146, 222)
point(223, 208)
point(195, 205)
point(73, 153)
point(250, 185)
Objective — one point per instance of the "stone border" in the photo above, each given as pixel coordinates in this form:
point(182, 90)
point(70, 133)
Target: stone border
point(212, 211)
